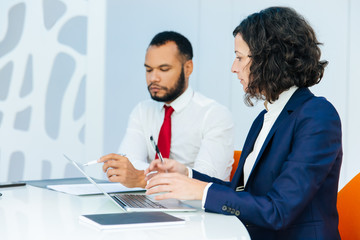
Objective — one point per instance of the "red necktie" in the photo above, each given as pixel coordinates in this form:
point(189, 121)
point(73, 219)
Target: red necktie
point(164, 141)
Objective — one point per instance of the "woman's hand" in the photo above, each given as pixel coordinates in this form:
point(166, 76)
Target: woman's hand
point(175, 185)
point(169, 165)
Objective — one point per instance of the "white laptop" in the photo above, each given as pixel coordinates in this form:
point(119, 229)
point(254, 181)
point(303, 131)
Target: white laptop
point(138, 202)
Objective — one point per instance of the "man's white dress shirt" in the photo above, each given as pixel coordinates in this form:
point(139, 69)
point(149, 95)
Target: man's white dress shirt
point(202, 135)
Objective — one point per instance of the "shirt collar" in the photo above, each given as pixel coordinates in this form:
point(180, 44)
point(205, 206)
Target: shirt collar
point(180, 102)
point(277, 106)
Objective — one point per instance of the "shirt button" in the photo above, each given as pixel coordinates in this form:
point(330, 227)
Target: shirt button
point(224, 208)
point(237, 213)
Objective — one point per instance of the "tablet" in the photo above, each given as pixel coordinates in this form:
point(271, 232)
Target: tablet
point(133, 219)
point(11, 184)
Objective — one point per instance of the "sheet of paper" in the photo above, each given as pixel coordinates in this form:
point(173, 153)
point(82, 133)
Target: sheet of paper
point(88, 189)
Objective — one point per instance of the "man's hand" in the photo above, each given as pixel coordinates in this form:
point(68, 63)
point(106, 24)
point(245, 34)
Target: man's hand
point(119, 169)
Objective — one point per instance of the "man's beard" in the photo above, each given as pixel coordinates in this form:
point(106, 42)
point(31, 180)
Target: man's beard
point(173, 93)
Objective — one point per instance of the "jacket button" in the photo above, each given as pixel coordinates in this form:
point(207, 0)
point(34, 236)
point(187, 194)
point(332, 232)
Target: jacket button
point(229, 209)
point(232, 211)
point(224, 208)
point(237, 213)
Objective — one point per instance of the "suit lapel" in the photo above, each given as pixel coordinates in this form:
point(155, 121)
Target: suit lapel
point(297, 99)
point(248, 146)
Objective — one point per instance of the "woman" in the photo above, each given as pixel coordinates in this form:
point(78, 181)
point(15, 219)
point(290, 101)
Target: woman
point(286, 183)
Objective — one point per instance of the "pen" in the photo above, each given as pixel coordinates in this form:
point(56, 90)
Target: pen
point(90, 163)
point(96, 161)
point(156, 149)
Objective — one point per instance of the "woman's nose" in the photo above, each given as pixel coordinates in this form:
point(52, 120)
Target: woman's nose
point(234, 67)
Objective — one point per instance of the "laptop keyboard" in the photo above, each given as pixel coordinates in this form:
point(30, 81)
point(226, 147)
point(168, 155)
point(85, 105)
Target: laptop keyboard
point(137, 201)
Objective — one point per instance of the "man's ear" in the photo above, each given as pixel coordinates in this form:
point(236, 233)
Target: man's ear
point(188, 68)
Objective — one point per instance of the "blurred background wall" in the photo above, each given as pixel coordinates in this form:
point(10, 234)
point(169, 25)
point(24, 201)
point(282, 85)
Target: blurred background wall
point(71, 72)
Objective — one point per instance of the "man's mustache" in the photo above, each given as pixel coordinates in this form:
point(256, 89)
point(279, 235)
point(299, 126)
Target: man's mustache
point(158, 86)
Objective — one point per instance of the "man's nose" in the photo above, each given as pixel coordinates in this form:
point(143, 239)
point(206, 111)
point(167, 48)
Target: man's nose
point(154, 76)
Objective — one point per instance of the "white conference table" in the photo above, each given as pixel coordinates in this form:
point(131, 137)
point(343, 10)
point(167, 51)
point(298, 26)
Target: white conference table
point(36, 213)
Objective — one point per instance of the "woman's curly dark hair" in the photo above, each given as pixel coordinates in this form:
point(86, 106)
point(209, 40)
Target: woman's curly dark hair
point(284, 52)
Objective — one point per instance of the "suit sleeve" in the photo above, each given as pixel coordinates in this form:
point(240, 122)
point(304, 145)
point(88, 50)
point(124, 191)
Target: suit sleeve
point(205, 178)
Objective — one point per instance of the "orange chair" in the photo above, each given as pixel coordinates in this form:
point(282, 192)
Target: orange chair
point(348, 205)
point(237, 155)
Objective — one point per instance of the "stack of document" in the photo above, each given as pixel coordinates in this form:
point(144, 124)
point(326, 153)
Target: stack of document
point(89, 189)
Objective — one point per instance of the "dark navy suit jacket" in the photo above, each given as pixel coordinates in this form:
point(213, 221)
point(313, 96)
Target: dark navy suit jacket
point(292, 190)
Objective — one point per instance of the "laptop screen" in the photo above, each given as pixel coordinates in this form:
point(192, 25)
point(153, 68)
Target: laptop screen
point(90, 179)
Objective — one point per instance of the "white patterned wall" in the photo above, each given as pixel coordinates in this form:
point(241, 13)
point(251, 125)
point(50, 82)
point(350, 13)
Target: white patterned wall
point(43, 49)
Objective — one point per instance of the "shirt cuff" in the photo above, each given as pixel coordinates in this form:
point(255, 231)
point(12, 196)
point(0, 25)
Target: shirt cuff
point(206, 189)
point(190, 173)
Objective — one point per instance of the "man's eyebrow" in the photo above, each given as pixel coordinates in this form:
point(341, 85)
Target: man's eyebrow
point(162, 65)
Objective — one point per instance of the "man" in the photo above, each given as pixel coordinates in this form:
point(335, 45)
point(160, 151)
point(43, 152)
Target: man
point(199, 131)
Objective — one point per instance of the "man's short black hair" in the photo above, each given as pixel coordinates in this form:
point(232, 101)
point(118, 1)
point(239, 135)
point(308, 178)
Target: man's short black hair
point(182, 43)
